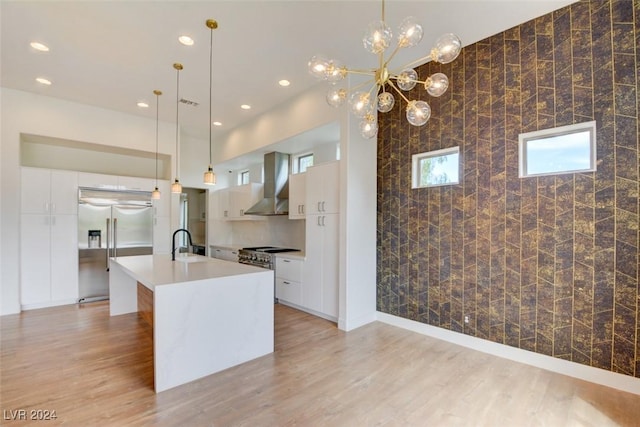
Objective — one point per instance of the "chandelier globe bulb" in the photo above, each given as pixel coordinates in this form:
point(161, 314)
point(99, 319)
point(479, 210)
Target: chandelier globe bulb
point(410, 32)
point(446, 48)
point(377, 37)
point(336, 97)
point(385, 102)
point(418, 113)
point(437, 84)
point(407, 79)
point(360, 104)
point(318, 65)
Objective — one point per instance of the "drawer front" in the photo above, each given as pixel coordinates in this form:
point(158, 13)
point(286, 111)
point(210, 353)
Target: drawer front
point(289, 290)
point(290, 269)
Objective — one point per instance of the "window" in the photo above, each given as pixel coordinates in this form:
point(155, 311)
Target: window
point(565, 149)
point(304, 161)
point(434, 168)
point(243, 178)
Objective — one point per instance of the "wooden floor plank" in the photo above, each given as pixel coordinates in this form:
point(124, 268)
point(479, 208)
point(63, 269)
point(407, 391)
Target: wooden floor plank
point(93, 369)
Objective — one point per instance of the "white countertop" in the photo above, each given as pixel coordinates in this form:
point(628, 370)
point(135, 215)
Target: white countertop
point(158, 270)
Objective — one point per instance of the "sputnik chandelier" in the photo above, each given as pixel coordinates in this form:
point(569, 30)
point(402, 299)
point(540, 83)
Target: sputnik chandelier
point(377, 39)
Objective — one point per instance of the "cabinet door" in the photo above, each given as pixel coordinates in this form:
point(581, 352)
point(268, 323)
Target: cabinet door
point(297, 195)
point(312, 290)
point(223, 203)
point(64, 192)
point(288, 291)
point(135, 183)
point(96, 180)
point(330, 264)
point(64, 258)
point(323, 188)
point(35, 191)
point(35, 263)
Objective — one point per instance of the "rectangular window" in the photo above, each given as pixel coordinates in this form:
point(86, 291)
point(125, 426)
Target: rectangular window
point(565, 149)
point(435, 168)
point(304, 161)
point(243, 178)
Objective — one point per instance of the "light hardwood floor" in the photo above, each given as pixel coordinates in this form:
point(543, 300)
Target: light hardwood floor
point(93, 369)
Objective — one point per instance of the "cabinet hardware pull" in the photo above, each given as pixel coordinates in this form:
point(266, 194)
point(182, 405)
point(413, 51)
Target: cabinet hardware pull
point(323, 220)
point(286, 260)
point(318, 221)
point(286, 283)
point(319, 209)
point(323, 210)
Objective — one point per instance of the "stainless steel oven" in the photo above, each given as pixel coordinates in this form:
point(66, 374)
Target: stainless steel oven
point(261, 256)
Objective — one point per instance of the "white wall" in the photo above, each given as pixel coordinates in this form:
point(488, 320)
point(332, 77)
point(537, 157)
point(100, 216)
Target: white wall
point(23, 112)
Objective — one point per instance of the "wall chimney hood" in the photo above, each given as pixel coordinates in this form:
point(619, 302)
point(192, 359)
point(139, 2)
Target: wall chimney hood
point(276, 186)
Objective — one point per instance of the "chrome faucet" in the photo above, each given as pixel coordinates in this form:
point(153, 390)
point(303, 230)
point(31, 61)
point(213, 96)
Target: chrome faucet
point(173, 242)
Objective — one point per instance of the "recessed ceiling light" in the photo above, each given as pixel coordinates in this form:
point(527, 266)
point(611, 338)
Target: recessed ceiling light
point(186, 40)
point(39, 46)
point(143, 104)
point(284, 83)
point(217, 123)
point(43, 81)
point(245, 107)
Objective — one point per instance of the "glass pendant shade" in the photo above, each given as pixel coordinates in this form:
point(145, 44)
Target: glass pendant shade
point(176, 187)
point(336, 97)
point(437, 84)
point(410, 32)
point(418, 113)
point(210, 177)
point(155, 194)
point(369, 127)
point(334, 71)
point(318, 65)
point(377, 37)
point(407, 79)
point(360, 105)
point(385, 102)
point(446, 49)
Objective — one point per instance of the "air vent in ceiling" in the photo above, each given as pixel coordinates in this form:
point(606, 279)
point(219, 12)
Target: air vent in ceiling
point(187, 102)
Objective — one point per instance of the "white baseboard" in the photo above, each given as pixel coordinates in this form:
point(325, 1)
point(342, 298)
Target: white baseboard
point(564, 367)
point(308, 310)
point(353, 323)
point(36, 306)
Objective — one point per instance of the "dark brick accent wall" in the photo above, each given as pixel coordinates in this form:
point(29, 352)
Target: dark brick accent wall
point(546, 264)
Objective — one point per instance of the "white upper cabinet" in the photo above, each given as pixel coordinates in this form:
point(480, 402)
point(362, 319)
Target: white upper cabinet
point(234, 201)
point(49, 192)
point(322, 188)
point(97, 180)
point(297, 195)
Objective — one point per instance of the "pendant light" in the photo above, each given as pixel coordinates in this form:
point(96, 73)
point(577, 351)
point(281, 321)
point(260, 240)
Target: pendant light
point(176, 187)
point(209, 175)
point(155, 195)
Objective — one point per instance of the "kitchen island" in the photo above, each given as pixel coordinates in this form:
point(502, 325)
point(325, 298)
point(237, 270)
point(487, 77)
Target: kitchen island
point(207, 314)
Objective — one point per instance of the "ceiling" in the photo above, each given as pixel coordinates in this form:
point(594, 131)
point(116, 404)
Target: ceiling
point(112, 54)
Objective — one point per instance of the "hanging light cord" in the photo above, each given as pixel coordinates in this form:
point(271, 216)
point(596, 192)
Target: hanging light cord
point(210, 86)
point(177, 105)
point(157, 115)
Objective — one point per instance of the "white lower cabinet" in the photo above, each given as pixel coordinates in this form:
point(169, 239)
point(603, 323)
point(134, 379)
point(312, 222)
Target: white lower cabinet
point(289, 280)
point(49, 260)
point(321, 265)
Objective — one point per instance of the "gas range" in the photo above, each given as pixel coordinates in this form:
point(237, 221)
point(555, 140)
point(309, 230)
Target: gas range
point(261, 256)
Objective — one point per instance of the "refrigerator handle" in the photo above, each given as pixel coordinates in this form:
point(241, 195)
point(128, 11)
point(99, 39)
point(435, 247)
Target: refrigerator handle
point(108, 241)
point(115, 237)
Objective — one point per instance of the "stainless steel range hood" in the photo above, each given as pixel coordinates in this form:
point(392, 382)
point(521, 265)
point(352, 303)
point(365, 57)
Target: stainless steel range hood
point(276, 186)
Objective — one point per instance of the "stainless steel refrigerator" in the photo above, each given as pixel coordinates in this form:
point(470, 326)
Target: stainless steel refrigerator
point(110, 224)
